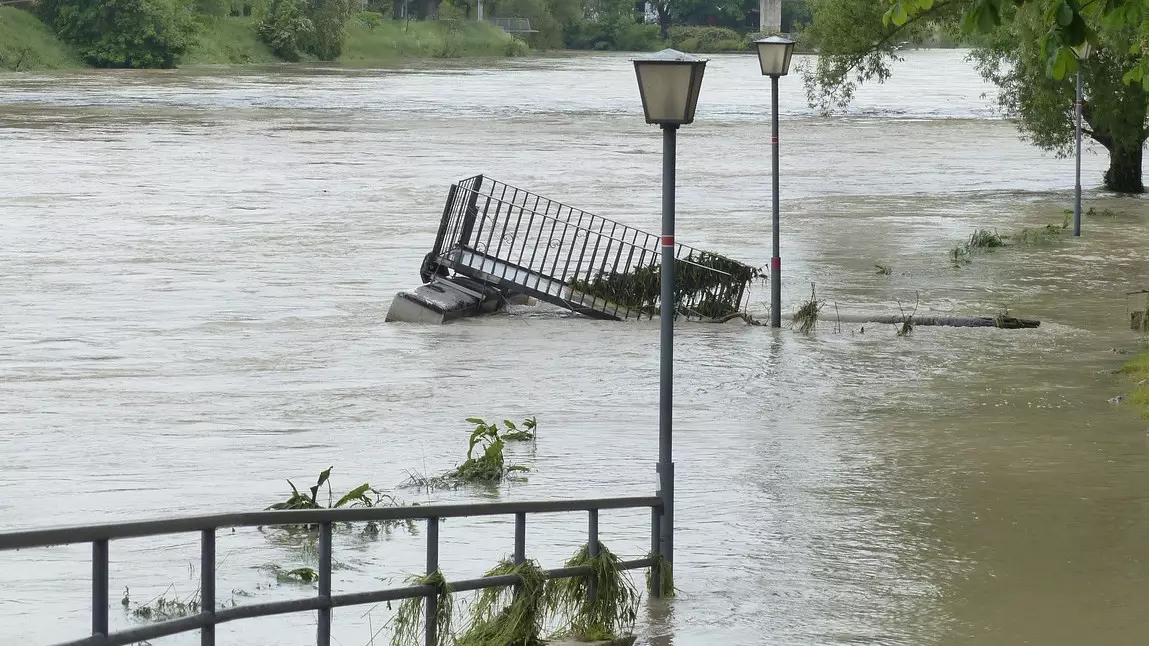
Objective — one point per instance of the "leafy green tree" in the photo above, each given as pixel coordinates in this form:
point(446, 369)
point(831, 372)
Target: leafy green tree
point(293, 28)
point(1064, 24)
point(124, 33)
point(329, 27)
point(285, 27)
point(858, 39)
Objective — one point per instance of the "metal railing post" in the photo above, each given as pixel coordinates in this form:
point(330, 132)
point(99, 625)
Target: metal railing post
point(592, 551)
point(432, 629)
point(520, 542)
point(520, 537)
point(323, 636)
point(100, 587)
point(655, 551)
point(207, 585)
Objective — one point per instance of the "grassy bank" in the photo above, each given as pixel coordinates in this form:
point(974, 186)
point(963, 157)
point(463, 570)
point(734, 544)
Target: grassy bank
point(370, 38)
point(1137, 369)
point(28, 44)
point(228, 41)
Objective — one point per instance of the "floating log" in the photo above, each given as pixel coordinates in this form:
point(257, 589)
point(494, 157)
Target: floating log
point(1004, 322)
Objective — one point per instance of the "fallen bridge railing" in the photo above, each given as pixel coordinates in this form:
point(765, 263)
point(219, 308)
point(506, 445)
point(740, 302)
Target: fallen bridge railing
point(519, 241)
point(210, 616)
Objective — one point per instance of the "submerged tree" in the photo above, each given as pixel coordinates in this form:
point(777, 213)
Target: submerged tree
point(858, 39)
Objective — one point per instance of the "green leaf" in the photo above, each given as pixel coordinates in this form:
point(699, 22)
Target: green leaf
point(899, 15)
point(475, 420)
point(1064, 14)
point(989, 18)
point(323, 477)
point(354, 494)
point(510, 425)
point(1061, 63)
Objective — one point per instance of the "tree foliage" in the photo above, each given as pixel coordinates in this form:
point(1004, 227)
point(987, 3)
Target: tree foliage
point(124, 33)
point(858, 39)
point(294, 28)
point(1064, 24)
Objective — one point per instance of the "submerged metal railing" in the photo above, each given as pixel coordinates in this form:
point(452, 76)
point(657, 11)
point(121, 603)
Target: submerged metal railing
point(209, 616)
point(521, 241)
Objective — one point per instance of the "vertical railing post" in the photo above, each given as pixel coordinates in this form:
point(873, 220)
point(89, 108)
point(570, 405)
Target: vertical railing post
point(323, 637)
point(520, 541)
point(432, 628)
point(520, 537)
point(592, 551)
point(207, 585)
point(655, 551)
point(100, 587)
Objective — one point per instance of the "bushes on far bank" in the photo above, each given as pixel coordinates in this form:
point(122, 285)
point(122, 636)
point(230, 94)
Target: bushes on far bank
point(370, 38)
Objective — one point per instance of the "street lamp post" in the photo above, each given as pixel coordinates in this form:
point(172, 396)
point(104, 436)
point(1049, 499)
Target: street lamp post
point(668, 83)
point(774, 54)
point(1082, 51)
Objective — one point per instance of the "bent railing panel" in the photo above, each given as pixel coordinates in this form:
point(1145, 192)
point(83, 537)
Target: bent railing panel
point(521, 241)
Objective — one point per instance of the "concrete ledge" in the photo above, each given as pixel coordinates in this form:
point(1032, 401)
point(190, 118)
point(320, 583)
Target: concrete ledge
point(442, 300)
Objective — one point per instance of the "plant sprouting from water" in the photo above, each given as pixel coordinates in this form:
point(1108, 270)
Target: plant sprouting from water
point(516, 434)
point(806, 318)
point(486, 462)
point(362, 496)
point(883, 270)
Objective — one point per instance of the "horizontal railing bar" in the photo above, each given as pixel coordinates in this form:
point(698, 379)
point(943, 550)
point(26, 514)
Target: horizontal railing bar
point(378, 596)
point(137, 529)
point(483, 582)
point(272, 608)
point(186, 624)
point(94, 640)
point(160, 629)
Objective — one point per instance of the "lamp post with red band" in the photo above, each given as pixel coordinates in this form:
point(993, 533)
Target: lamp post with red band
point(668, 83)
point(1082, 51)
point(774, 54)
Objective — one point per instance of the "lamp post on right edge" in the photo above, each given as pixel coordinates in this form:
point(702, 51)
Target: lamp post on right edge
point(774, 55)
point(1082, 52)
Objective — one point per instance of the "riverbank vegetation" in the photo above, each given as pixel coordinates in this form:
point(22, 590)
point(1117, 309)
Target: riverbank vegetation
point(26, 43)
point(1022, 48)
point(1137, 371)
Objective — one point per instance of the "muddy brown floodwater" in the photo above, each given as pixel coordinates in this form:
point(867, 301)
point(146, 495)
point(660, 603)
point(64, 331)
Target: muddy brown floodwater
point(195, 267)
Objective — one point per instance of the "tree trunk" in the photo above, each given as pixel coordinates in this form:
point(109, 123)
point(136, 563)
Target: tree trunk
point(1124, 174)
point(663, 21)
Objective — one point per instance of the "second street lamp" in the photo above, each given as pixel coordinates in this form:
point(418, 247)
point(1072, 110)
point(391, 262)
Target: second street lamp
point(1082, 51)
point(668, 83)
point(774, 54)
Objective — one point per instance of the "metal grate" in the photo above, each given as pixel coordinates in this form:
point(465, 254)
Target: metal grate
point(522, 242)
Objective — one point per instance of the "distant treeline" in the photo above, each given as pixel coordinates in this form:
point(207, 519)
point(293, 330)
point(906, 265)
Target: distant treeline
point(166, 33)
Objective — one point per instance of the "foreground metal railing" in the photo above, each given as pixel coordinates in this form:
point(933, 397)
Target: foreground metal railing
point(210, 616)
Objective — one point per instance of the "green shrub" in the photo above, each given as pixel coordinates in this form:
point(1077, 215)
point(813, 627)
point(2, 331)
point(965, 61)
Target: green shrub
point(624, 36)
point(708, 39)
point(285, 28)
point(124, 33)
point(294, 28)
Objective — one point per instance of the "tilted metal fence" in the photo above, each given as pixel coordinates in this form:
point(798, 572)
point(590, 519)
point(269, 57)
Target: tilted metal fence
point(210, 616)
point(521, 241)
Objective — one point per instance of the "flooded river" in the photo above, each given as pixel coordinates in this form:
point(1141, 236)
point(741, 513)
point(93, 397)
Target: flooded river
point(195, 267)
